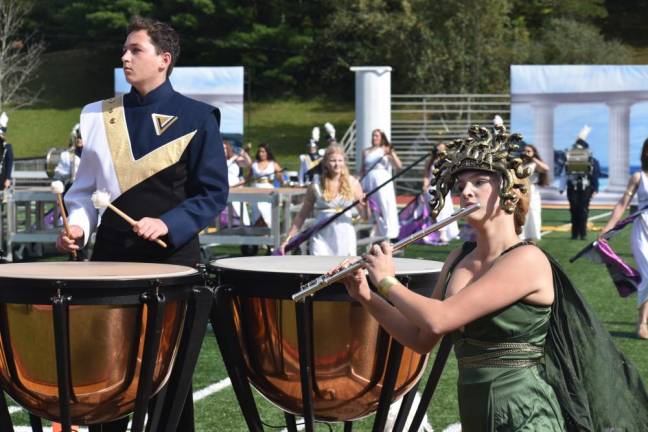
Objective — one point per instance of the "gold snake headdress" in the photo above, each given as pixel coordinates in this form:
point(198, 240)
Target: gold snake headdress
point(482, 150)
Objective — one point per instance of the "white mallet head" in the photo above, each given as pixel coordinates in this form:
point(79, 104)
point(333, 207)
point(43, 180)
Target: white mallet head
point(57, 187)
point(100, 199)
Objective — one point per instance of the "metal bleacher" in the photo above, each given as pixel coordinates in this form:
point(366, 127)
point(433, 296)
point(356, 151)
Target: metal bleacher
point(419, 122)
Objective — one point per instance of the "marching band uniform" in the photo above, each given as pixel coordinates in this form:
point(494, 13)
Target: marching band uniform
point(379, 172)
point(339, 237)
point(309, 168)
point(309, 164)
point(580, 188)
point(158, 156)
point(263, 179)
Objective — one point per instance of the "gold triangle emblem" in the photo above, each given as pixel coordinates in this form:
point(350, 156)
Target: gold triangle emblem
point(162, 122)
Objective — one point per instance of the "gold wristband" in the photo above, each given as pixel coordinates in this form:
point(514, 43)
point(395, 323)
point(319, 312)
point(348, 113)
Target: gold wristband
point(385, 285)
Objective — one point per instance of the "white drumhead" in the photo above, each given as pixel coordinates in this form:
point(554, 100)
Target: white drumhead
point(316, 265)
point(69, 270)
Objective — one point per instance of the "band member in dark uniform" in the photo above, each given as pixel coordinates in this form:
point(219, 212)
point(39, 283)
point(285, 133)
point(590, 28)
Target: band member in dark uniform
point(580, 176)
point(159, 155)
point(7, 156)
point(309, 163)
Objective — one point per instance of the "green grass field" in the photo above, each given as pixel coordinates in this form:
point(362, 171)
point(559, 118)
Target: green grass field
point(219, 410)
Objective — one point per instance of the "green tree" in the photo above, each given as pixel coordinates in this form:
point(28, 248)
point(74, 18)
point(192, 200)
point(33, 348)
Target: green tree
point(569, 42)
point(433, 47)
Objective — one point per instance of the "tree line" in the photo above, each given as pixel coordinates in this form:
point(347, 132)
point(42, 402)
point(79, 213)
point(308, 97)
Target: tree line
point(305, 47)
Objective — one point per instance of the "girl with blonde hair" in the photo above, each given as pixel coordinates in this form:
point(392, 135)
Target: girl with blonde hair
point(336, 190)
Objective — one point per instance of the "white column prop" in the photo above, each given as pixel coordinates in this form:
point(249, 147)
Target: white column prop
point(372, 105)
point(618, 145)
point(543, 119)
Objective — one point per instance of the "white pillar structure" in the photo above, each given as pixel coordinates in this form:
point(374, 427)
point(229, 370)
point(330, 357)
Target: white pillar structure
point(372, 105)
point(543, 123)
point(618, 145)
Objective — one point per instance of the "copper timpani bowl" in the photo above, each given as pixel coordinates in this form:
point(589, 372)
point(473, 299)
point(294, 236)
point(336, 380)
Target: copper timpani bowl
point(107, 321)
point(350, 349)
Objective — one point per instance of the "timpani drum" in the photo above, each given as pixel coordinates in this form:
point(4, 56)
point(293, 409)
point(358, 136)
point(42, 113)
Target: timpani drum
point(91, 342)
point(327, 355)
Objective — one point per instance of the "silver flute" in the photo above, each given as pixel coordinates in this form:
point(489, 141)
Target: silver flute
point(327, 279)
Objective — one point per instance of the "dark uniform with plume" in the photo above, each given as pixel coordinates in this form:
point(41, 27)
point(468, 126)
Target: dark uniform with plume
point(580, 176)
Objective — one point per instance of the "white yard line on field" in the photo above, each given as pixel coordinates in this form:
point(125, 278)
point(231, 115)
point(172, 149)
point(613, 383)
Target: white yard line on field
point(197, 395)
point(211, 389)
point(599, 216)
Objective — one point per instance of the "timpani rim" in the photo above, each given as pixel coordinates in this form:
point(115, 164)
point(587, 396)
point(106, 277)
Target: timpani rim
point(315, 265)
point(93, 270)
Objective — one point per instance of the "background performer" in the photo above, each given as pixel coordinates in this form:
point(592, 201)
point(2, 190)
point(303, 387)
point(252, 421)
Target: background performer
point(235, 165)
point(450, 231)
point(336, 190)
point(263, 173)
point(533, 223)
point(159, 155)
point(638, 184)
point(377, 164)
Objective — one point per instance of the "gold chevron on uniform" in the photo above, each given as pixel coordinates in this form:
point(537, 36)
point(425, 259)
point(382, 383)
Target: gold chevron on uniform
point(161, 122)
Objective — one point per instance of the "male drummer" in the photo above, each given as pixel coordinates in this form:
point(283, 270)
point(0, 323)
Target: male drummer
point(158, 154)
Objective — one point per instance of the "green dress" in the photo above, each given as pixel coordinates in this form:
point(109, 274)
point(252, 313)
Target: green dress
point(531, 368)
point(500, 386)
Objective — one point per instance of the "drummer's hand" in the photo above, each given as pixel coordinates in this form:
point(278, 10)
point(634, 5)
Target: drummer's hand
point(150, 228)
point(65, 243)
point(355, 283)
point(380, 262)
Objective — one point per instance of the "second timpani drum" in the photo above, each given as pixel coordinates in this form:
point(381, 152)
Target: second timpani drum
point(86, 342)
point(348, 350)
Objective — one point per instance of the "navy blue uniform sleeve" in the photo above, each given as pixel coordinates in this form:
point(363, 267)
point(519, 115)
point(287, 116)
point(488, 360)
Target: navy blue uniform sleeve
point(9, 161)
point(207, 180)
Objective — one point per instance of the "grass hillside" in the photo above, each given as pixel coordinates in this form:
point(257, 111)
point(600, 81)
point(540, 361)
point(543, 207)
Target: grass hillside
point(69, 80)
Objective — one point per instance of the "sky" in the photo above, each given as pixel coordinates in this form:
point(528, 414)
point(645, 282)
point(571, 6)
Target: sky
point(570, 118)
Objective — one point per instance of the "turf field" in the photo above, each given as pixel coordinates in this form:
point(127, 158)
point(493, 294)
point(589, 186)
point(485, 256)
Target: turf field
point(217, 409)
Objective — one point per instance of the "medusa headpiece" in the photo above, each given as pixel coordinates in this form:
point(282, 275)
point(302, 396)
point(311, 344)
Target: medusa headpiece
point(483, 150)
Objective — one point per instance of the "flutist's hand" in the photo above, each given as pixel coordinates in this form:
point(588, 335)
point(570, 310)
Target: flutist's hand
point(356, 283)
point(65, 243)
point(379, 262)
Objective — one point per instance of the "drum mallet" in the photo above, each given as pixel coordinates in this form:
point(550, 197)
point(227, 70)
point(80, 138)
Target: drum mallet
point(58, 189)
point(101, 199)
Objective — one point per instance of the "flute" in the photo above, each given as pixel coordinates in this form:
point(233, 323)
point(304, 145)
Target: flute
point(325, 280)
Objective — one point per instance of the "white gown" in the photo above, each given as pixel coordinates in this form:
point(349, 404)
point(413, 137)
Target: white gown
point(639, 240)
point(387, 224)
point(533, 222)
point(450, 231)
point(234, 178)
point(339, 237)
point(263, 209)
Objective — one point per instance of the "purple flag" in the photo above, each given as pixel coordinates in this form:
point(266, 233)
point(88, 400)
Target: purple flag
point(415, 217)
point(624, 277)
